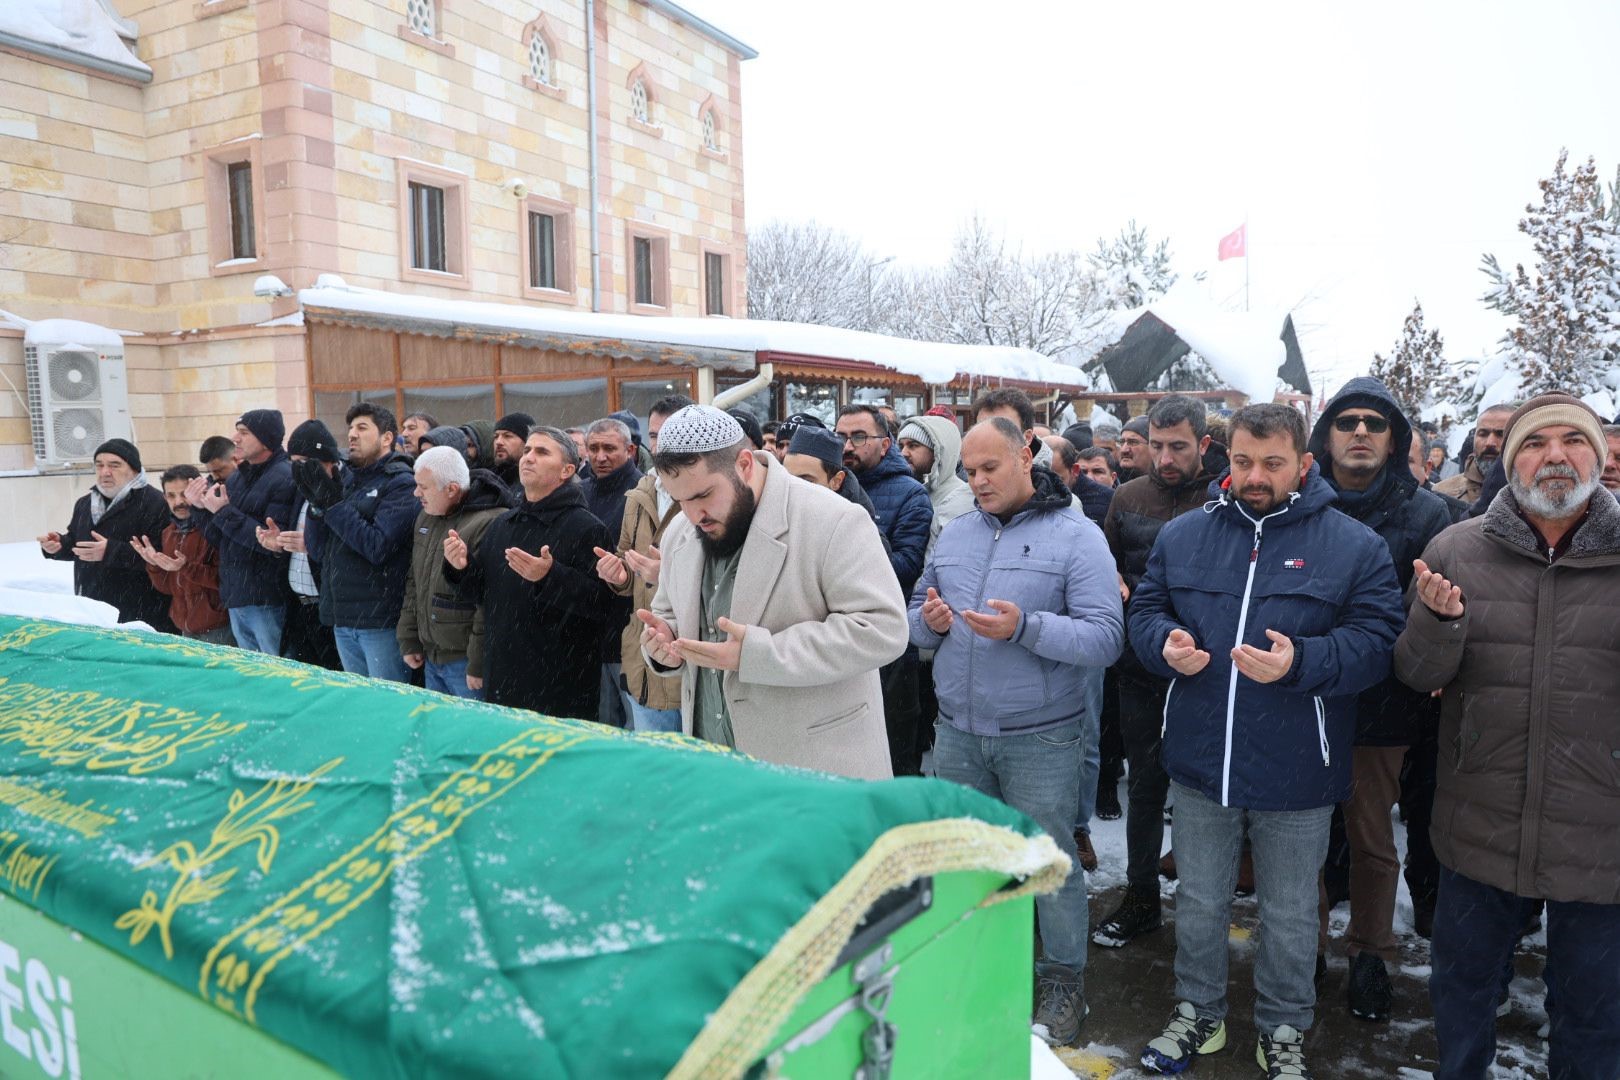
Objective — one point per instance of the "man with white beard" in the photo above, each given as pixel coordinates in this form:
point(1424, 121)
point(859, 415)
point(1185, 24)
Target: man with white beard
point(1514, 620)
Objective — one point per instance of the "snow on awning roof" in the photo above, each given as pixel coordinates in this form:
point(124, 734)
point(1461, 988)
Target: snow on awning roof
point(728, 344)
point(1244, 348)
point(76, 31)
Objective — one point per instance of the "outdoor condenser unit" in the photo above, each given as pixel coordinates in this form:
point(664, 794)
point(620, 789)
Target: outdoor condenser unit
point(78, 389)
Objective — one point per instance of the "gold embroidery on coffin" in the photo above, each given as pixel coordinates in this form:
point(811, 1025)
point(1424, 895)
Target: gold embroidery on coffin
point(233, 972)
point(247, 821)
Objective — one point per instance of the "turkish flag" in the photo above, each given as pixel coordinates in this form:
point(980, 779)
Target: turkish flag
point(1234, 245)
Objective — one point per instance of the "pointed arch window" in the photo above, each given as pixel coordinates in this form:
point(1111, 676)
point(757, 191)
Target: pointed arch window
point(540, 59)
point(643, 101)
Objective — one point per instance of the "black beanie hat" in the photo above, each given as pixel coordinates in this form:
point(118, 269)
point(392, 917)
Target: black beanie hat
point(122, 448)
point(313, 439)
point(518, 423)
point(819, 443)
point(1137, 425)
point(444, 435)
point(266, 426)
point(750, 426)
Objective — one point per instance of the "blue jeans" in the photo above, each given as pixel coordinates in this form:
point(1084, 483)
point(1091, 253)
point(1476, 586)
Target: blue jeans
point(645, 719)
point(371, 652)
point(1092, 765)
point(450, 678)
point(1475, 929)
point(610, 704)
point(1289, 849)
point(1040, 775)
point(259, 628)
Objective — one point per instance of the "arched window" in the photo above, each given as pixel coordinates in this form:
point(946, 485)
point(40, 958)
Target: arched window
point(540, 59)
point(712, 125)
point(422, 16)
point(643, 100)
point(711, 134)
point(640, 103)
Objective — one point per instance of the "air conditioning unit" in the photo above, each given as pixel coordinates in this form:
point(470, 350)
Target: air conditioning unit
point(78, 389)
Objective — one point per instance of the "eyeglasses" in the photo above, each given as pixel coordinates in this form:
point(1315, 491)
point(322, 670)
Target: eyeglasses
point(858, 438)
point(1376, 425)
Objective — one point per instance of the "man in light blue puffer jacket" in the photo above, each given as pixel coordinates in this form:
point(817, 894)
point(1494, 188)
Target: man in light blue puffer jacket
point(1019, 599)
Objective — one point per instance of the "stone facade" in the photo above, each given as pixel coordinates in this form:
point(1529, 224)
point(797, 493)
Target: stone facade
point(112, 192)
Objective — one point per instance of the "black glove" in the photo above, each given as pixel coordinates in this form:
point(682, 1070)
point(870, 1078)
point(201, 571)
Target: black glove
point(318, 489)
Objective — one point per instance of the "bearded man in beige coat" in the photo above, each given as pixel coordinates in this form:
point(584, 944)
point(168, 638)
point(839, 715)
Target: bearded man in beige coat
point(776, 605)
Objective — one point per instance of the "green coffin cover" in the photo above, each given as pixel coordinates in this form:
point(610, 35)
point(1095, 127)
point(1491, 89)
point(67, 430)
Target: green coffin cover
point(400, 883)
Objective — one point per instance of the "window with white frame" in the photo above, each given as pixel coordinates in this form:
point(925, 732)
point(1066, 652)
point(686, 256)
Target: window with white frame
point(422, 16)
point(540, 59)
point(640, 102)
point(711, 131)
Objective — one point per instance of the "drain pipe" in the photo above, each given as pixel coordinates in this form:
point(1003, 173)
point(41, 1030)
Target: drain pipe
point(590, 98)
point(727, 398)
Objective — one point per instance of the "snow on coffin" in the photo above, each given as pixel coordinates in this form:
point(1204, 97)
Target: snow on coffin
point(214, 862)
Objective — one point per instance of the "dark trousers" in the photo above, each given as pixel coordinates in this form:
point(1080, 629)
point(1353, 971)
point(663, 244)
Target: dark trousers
point(1417, 808)
point(902, 713)
point(929, 704)
point(1112, 744)
point(304, 639)
point(1141, 724)
point(1475, 929)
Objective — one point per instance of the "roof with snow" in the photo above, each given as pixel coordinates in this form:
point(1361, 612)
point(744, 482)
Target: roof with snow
point(725, 344)
point(1250, 351)
point(82, 32)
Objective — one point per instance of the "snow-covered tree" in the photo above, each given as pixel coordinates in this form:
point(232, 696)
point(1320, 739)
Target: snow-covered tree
point(1415, 371)
point(813, 274)
point(1132, 269)
point(1567, 314)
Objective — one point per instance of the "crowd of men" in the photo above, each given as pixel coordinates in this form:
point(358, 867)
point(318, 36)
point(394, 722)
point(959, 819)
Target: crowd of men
point(1279, 633)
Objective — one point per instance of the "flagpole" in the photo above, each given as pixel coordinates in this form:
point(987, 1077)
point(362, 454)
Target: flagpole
point(1246, 258)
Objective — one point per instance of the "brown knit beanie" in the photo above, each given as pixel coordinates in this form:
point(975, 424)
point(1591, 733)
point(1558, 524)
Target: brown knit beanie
point(1553, 410)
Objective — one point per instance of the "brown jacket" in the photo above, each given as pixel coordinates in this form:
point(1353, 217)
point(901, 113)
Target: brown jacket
point(194, 588)
point(1466, 485)
point(642, 529)
point(1529, 788)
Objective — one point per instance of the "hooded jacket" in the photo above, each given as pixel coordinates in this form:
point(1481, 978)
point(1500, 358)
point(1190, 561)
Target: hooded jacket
point(481, 437)
point(1407, 518)
point(365, 546)
point(948, 492)
point(120, 578)
point(1528, 798)
point(542, 639)
point(904, 514)
point(1226, 576)
point(1051, 562)
point(434, 620)
point(250, 576)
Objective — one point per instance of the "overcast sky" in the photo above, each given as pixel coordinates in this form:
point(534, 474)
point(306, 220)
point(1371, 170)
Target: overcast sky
point(1377, 149)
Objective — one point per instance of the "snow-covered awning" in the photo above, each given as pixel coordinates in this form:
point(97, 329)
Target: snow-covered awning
point(78, 32)
point(725, 344)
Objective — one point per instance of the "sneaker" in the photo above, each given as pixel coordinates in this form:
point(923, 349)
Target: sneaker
point(1061, 1009)
point(1108, 808)
point(1088, 854)
point(1371, 994)
point(1245, 878)
point(1138, 914)
point(1282, 1055)
point(1186, 1037)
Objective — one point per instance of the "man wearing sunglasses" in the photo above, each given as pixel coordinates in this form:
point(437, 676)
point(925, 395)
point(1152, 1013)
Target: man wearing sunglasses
point(1363, 442)
point(1489, 431)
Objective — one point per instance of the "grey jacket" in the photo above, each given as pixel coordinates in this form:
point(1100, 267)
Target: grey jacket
point(1054, 564)
point(947, 491)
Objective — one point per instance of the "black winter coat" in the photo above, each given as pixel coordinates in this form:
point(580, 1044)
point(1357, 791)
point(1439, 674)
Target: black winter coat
point(250, 576)
point(1406, 517)
point(120, 579)
point(365, 546)
point(542, 639)
point(605, 499)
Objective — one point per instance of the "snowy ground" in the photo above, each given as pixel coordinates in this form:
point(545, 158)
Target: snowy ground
point(1131, 992)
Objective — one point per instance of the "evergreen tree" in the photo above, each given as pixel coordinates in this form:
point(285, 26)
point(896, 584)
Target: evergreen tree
point(1415, 370)
point(1567, 332)
point(1131, 269)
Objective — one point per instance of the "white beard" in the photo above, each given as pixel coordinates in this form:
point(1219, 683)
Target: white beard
point(1532, 500)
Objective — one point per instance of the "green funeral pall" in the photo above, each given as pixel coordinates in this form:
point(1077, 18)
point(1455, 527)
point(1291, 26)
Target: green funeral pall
point(400, 883)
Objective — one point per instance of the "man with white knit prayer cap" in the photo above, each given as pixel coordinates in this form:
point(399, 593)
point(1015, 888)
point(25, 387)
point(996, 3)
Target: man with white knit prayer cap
point(776, 605)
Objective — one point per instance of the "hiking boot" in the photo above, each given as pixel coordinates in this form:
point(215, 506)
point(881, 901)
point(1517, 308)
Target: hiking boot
point(1108, 808)
point(1423, 916)
point(1281, 1055)
point(1061, 1008)
point(1370, 991)
point(1321, 968)
point(1186, 1037)
point(1088, 854)
point(1167, 866)
point(1139, 913)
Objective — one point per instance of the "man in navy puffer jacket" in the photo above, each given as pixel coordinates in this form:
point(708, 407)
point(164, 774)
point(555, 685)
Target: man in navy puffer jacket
point(1271, 611)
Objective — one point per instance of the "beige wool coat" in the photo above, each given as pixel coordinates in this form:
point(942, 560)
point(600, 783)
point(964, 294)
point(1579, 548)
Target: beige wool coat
point(823, 612)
